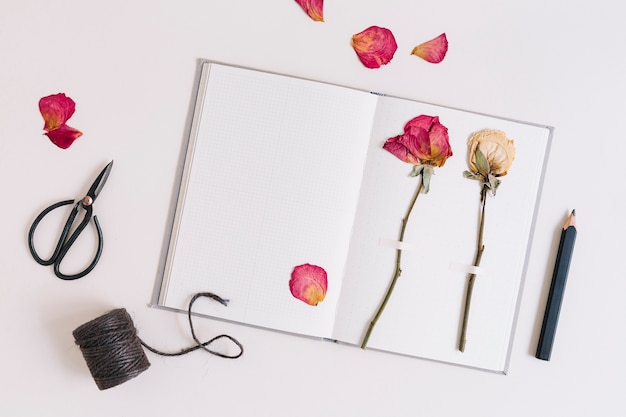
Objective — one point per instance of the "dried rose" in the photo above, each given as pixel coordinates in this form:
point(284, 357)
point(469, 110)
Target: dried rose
point(374, 46)
point(425, 141)
point(314, 8)
point(434, 149)
point(434, 50)
point(425, 144)
point(497, 149)
point(309, 283)
point(56, 110)
point(490, 155)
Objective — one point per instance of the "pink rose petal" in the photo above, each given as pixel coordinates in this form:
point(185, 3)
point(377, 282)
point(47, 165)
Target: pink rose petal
point(63, 136)
point(407, 147)
point(434, 50)
point(422, 122)
point(308, 283)
point(314, 8)
point(374, 46)
point(56, 110)
point(440, 149)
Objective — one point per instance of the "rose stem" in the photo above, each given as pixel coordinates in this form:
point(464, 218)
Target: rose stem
point(480, 248)
point(398, 270)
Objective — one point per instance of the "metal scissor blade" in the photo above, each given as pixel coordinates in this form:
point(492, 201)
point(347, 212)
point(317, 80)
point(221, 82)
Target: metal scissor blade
point(98, 184)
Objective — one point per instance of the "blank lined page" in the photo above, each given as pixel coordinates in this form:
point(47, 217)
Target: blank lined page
point(272, 183)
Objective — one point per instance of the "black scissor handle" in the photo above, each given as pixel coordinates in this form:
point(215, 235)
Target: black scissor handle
point(64, 246)
point(66, 229)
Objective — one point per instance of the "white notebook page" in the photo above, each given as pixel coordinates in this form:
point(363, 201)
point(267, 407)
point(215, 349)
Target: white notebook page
point(276, 173)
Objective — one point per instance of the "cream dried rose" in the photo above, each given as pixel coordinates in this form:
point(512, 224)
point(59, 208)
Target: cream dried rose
point(489, 155)
point(498, 150)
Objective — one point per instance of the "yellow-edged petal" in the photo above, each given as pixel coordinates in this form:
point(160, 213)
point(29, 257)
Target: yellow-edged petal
point(314, 8)
point(434, 50)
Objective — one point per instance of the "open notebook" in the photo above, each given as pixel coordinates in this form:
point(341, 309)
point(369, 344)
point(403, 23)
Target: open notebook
point(282, 171)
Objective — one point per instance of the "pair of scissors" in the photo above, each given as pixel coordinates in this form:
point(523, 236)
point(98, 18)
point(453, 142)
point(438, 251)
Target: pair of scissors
point(65, 243)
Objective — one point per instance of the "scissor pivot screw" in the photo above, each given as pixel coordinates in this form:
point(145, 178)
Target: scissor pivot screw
point(87, 201)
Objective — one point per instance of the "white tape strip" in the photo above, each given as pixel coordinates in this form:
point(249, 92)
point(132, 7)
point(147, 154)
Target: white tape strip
point(469, 269)
point(395, 244)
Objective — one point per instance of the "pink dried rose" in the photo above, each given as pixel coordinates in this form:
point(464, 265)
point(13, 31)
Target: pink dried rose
point(434, 50)
point(314, 8)
point(425, 145)
point(374, 46)
point(309, 283)
point(56, 110)
point(424, 141)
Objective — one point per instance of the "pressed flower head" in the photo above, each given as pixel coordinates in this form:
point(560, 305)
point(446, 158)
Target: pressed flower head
point(490, 155)
point(432, 144)
point(424, 142)
point(498, 150)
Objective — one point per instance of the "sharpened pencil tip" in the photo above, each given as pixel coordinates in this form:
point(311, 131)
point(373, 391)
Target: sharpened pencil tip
point(571, 220)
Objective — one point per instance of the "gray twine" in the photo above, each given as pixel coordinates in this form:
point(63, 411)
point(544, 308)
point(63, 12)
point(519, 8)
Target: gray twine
point(113, 351)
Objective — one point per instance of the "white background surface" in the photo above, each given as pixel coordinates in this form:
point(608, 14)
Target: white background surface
point(130, 67)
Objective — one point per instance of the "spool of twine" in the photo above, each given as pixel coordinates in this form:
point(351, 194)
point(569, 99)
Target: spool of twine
point(111, 348)
point(114, 352)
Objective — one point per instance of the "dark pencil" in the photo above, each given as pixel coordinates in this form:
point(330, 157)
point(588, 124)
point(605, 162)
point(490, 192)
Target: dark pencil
point(557, 287)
